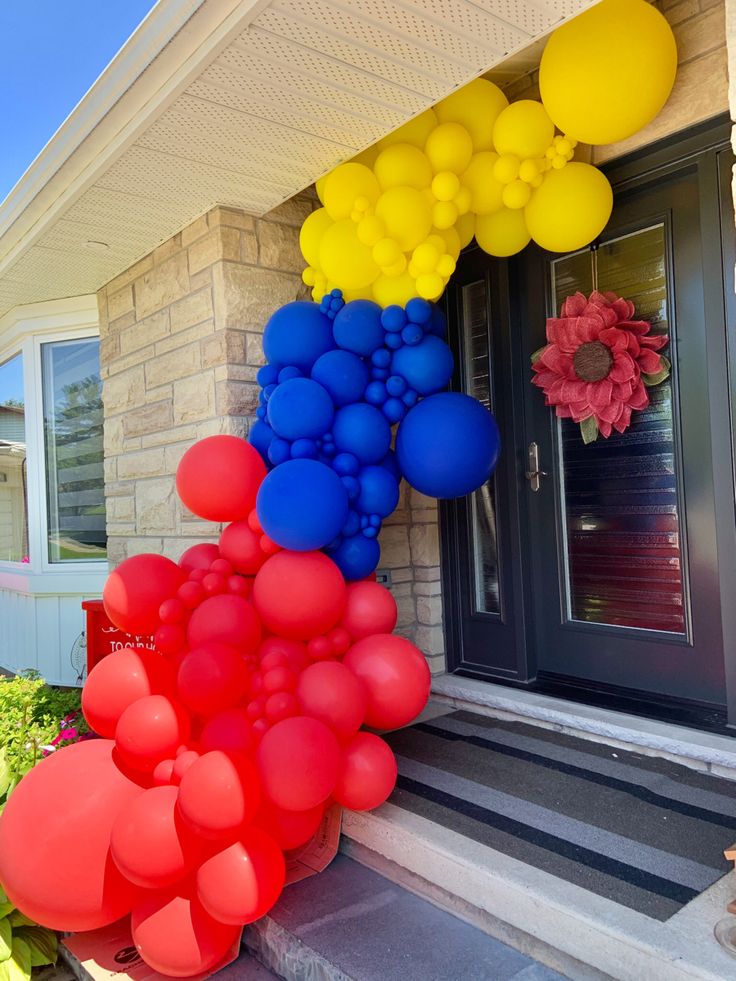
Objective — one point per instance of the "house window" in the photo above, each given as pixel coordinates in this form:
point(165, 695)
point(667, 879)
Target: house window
point(13, 471)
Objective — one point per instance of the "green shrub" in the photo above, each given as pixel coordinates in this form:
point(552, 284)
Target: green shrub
point(23, 944)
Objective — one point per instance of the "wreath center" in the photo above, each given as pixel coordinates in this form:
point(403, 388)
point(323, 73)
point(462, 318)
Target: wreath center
point(592, 362)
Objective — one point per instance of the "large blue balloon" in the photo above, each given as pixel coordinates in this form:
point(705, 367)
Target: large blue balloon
point(260, 436)
point(448, 445)
point(379, 491)
point(343, 374)
point(358, 328)
point(426, 366)
point(356, 557)
point(302, 505)
point(297, 334)
point(362, 430)
point(300, 408)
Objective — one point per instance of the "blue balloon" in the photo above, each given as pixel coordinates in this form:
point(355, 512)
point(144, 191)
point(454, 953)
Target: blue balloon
point(362, 430)
point(392, 465)
point(426, 366)
point(300, 408)
point(302, 505)
point(419, 311)
point(448, 445)
point(279, 451)
point(343, 374)
point(356, 557)
point(260, 436)
point(267, 375)
point(379, 491)
point(357, 327)
point(297, 334)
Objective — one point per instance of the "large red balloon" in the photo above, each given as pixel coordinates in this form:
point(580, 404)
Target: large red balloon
point(298, 761)
point(135, 590)
point(367, 773)
point(55, 861)
point(229, 730)
point(290, 828)
point(370, 609)
point(150, 843)
point(211, 678)
point(218, 478)
point(120, 679)
point(330, 692)
point(151, 730)
point(299, 595)
point(241, 883)
point(219, 793)
point(241, 546)
point(225, 619)
point(396, 677)
point(200, 556)
point(177, 937)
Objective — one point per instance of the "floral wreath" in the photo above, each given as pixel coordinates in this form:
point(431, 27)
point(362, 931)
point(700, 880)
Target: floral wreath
point(599, 363)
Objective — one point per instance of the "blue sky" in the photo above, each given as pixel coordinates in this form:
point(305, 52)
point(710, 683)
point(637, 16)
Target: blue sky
point(51, 51)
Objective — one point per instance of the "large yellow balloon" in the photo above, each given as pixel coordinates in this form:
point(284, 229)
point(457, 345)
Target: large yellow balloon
point(570, 208)
point(402, 164)
point(406, 215)
point(524, 129)
point(343, 258)
point(449, 147)
point(475, 106)
point(394, 289)
point(608, 72)
point(503, 233)
point(346, 183)
point(415, 131)
point(485, 190)
point(310, 236)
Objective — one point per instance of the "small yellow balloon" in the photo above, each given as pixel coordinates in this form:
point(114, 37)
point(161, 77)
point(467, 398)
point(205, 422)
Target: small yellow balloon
point(524, 128)
point(396, 268)
point(485, 190)
point(446, 266)
point(345, 185)
point(462, 200)
point(425, 257)
point(406, 214)
point(444, 214)
point(503, 233)
point(506, 168)
point(310, 235)
point(445, 185)
point(309, 276)
point(476, 106)
point(570, 209)
point(430, 286)
point(370, 230)
point(449, 147)
point(415, 131)
point(344, 259)
point(529, 170)
point(388, 290)
point(516, 195)
point(386, 252)
point(450, 237)
point(402, 165)
point(465, 228)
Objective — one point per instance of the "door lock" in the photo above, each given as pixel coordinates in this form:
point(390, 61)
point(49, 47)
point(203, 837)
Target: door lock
point(533, 474)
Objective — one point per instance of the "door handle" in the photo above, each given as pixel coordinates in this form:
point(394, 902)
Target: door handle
point(533, 474)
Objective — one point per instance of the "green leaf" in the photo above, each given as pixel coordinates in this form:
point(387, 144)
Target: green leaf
point(6, 939)
point(589, 430)
point(659, 376)
point(42, 943)
point(6, 909)
point(537, 354)
point(3, 895)
point(5, 771)
point(18, 919)
point(18, 966)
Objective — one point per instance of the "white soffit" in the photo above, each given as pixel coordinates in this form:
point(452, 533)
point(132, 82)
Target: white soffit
point(240, 103)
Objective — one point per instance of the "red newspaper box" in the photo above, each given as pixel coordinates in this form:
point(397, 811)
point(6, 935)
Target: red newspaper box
point(104, 638)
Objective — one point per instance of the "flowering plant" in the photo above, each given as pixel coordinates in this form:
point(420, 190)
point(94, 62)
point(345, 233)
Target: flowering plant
point(598, 363)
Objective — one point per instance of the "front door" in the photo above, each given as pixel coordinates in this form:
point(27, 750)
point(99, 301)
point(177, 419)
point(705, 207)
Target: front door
point(602, 575)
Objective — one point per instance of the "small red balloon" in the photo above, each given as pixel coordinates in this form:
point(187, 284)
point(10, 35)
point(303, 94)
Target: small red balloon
point(370, 609)
point(281, 705)
point(225, 619)
point(199, 556)
point(172, 611)
point(320, 649)
point(229, 730)
point(150, 730)
point(120, 679)
point(293, 651)
point(218, 478)
point(367, 773)
point(163, 773)
point(396, 677)
point(330, 692)
point(211, 678)
point(278, 679)
point(191, 594)
point(134, 592)
point(241, 883)
point(298, 761)
point(222, 567)
point(170, 639)
point(213, 584)
point(182, 763)
point(291, 829)
point(299, 595)
point(219, 793)
point(241, 546)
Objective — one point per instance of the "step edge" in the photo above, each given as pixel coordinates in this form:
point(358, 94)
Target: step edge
point(286, 954)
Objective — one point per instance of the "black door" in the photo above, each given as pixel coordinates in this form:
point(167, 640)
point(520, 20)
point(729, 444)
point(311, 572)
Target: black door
point(607, 573)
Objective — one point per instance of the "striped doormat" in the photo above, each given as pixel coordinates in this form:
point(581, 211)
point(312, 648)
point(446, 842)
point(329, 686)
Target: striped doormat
point(643, 832)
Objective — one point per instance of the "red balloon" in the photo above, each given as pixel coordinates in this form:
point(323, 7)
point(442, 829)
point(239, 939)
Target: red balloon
point(120, 679)
point(55, 861)
point(177, 937)
point(241, 883)
point(241, 546)
point(218, 478)
point(370, 609)
point(330, 692)
point(163, 773)
point(293, 653)
point(298, 761)
point(219, 793)
point(229, 730)
point(182, 763)
point(150, 843)
point(367, 773)
point(396, 677)
point(151, 730)
point(199, 556)
point(135, 590)
point(299, 595)
point(291, 829)
point(281, 705)
point(226, 619)
point(211, 678)
point(170, 639)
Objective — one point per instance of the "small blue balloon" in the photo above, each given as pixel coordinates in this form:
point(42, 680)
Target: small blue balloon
point(303, 449)
point(370, 531)
point(352, 525)
point(261, 412)
point(300, 408)
point(343, 375)
point(260, 436)
point(376, 393)
point(356, 557)
point(291, 372)
point(394, 410)
point(380, 374)
point(448, 445)
point(381, 358)
point(410, 398)
point(357, 327)
point(302, 505)
point(412, 334)
point(393, 341)
point(346, 465)
point(396, 386)
point(297, 334)
point(267, 375)
point(362, 430)
point(279, 451)
point(269, 390)
point(393, 318)
point(427, 367)
point(352, 486)
point(419, 311)
point(379, 491)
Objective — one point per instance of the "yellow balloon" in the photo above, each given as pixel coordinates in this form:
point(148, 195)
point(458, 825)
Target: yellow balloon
point(402, 165)
point(370, 230)
point(516, 194)
point(310, 235)
point(430, 286)
point(465, 228)
point(503, 233)
point(386, 252)
point(570, 208)
point(607, 73)
point(426, 256)
point(450, 237)
point(445, 185)
point(484, 189)
point(346, 183)
point(475, 106)
point(345, 261)
point(406, 214)
point(394, 289)
point(363, 294)
point(524, 129)
point(449, 147)
point(444, 214)
point(415, 131)
point(319, 186)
